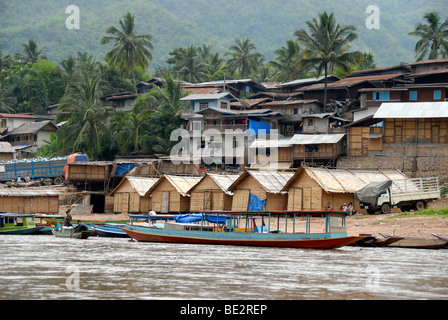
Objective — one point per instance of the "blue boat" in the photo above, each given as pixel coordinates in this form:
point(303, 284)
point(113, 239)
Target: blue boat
point(239, 228)
point(111, 231)
point(16, 223)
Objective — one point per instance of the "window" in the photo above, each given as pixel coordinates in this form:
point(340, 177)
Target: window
point(296, 110)
point(203, 105)
point(383, 95)
point(223, 105)
point(437, 94)
point(412, 95)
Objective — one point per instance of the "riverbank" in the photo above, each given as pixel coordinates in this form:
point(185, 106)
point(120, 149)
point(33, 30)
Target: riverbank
point(404, 225)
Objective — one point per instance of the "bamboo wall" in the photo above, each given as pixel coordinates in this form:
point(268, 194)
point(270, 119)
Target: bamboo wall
point(305, 193)
point(33, 204)
point(90, 172)
point(127, 200)
point(240, 201)
point(398, 131)
point(359, 144)
point(207, 195)
point(165, 198)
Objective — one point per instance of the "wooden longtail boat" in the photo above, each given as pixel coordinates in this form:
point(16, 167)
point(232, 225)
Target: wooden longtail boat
point(69, 232)
point(418, 243)
point(371, 241)
point(225, 228)
point(111, 231)
point(16, 223)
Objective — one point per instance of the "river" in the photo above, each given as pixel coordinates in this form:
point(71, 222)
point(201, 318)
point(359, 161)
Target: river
point(45, 267)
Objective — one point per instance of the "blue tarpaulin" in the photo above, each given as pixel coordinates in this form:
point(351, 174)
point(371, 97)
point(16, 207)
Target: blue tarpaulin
point(197, 217)
point(255, 204)
point(124, 167)
point(257, 125)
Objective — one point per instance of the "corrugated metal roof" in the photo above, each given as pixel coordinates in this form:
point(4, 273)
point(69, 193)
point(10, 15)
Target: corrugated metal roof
point(271, 181)
point(224, 181)
point(412, 110)
point(5, 147)
point(206, 96)
point(351, 81)
point(182, 183)
point(345, 181)
point(282, 143)
point(28, 192)
point(302, 139)
point(140, 184)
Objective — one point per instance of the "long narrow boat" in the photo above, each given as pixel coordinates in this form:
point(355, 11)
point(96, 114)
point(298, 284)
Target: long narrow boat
point(419, 243)
point(69, 232)
point(15, 223)
point(111, 231)
point(225, 228)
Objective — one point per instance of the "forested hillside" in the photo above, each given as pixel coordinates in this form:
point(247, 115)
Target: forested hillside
point(174, 23)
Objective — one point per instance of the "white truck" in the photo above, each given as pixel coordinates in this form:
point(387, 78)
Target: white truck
point(406, 194)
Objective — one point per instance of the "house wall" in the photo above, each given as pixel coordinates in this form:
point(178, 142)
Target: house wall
point(176, 202)
point(305, 193)
point(250, 185)
point(32, 204)
point(127, 200)
point(207, 195)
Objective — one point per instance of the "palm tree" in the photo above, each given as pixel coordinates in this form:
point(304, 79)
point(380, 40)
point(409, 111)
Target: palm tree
point(242, 59)
point(85, 116)
point(288, 62)
point(327, 46)
point(31, 53)
point(188, 63)
point(129, 50)
point(433, 37)
point(5, 62)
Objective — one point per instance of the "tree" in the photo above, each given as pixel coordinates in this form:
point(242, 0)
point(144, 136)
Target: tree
point(327, 46)
point(129, 50)
point(188, 63)
point(31, 53)
point(433, 37)
point(288, 63)
point(81, 108)
point(242, 57)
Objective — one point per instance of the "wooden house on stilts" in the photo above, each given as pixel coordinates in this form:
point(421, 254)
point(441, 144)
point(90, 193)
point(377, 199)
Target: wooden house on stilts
point(265, 185)
point(170, 193)
point(211, 193)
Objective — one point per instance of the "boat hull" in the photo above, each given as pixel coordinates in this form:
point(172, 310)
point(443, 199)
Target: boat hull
point(21, 231)
point(110, 232)
point(77, 235)
point(311, 241)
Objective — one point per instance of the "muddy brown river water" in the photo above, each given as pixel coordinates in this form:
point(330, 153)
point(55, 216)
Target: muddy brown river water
point(45, 267)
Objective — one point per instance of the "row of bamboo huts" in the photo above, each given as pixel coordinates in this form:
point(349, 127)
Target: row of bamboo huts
point(307, 188)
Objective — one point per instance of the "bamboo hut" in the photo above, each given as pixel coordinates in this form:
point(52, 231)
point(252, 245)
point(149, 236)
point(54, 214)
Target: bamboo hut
point(266, 185)
point(129, 195)
point(26, 200)
point(314, 188)
point(170, 193)
point(211, 193)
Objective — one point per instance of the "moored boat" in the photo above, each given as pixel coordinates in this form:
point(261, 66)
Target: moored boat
point(17, 223)
point(225, 228)
point(420, 243)
point(111, 231)
point(372, 241)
